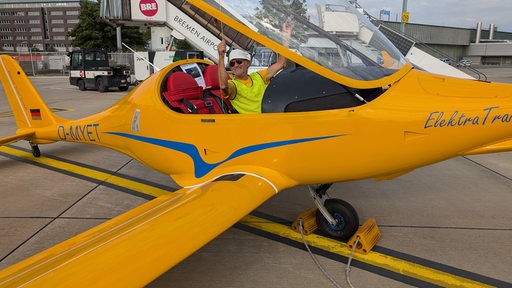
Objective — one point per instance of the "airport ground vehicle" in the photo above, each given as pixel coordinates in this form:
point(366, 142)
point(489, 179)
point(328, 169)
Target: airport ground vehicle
point(90, 69)
point(446, 60)
point(464, 63)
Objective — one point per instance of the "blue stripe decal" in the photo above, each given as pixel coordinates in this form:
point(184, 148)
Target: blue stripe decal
point(201, 167)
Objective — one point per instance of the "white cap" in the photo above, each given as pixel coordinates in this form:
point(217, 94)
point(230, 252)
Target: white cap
point(239, 54)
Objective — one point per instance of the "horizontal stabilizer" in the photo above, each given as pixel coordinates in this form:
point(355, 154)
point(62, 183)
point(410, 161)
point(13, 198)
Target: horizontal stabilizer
point(17, 137)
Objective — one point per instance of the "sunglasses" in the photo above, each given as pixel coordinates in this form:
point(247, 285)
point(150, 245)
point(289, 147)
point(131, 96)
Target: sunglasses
point(237, 61)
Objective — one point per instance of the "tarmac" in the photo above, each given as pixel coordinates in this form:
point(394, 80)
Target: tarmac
point(444, 225)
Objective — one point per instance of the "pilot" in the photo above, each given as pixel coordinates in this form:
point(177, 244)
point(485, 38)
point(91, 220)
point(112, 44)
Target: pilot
point(245, 91)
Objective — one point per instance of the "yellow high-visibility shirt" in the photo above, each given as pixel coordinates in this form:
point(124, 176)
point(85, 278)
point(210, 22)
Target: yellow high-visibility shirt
point(248, 94)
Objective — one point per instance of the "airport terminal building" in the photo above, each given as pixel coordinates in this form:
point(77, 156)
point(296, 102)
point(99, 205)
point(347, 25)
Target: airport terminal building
point(480, 45)
point(43, 25)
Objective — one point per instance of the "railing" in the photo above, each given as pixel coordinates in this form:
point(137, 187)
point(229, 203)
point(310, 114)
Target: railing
point(57, 63)
point(438, 54)
point(421, 45)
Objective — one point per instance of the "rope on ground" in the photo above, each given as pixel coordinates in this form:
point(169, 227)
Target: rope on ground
point(320, 267)
point(347, 269)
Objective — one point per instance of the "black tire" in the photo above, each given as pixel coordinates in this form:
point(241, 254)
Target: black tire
point(123, 88)
point(35, 151)
point(81, 85)
point(344, 213)
point(100, 85)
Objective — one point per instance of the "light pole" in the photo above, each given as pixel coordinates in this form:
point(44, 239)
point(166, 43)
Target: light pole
point(29, 48)
point(404, 15)
point(31, 61)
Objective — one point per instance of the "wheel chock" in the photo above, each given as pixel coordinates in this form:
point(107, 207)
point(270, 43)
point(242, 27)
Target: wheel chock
point(308, 222)
point(368, 235)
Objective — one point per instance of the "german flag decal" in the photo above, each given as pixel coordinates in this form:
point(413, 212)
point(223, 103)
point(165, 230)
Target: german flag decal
point(36, 114)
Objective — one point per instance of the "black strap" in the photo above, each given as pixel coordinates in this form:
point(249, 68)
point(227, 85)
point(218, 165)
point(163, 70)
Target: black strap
point(191, 107)
point(227, 109)
point(209, 104)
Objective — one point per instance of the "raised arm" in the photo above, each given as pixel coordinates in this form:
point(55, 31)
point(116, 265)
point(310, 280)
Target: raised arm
point(222, 73)
point(281, 60)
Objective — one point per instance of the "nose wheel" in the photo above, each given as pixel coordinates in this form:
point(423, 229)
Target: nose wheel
point(35, 150)
point(334, 217)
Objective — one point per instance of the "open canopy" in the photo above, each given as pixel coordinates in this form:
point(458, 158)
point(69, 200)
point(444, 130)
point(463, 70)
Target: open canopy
point(329, 37)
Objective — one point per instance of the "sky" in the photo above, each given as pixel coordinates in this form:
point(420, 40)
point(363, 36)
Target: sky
point(453, 13)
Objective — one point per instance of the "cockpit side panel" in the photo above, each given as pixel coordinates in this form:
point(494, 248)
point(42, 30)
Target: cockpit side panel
point(298, 89)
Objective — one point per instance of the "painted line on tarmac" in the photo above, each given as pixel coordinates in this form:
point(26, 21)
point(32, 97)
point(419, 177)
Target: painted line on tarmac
point(383, 264)
point(104, 177)
point(404, 271)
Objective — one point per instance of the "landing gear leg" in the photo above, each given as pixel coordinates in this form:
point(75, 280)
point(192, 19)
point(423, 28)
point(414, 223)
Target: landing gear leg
point(35, 150)
point(334, 217)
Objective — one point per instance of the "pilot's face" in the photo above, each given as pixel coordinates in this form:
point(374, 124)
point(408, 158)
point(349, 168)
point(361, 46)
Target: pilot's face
point(239, 67)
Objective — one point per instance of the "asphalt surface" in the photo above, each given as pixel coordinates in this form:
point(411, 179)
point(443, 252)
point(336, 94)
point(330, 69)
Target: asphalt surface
point(448, 221)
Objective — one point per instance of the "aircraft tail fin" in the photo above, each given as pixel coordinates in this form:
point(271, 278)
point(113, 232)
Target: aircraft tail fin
point(28, 107)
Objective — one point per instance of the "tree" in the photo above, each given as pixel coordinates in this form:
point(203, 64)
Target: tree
point(182, 44)
point(134, 38)
point(271, 12)
point(94, 32)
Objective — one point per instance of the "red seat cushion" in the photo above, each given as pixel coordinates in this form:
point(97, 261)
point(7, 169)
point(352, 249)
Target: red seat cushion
point(185, 95)
point(211, 77)
point(211, 80)
point(181, 85)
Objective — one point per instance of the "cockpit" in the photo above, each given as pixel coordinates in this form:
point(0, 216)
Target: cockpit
point(339, 58)
point(193, 88)
point(331, 38)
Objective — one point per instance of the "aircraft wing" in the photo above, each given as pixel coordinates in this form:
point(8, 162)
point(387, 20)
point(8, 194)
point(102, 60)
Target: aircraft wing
point(136, 247)
point(503, 146)
point(17, 137)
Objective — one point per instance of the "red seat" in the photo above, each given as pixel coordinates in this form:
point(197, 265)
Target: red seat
point(211, 79)
point(212, 89)
point(185, 95)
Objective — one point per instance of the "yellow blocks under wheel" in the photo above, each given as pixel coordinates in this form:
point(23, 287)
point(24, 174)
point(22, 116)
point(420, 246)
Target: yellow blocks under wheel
point(368, 235)
point(308, 222)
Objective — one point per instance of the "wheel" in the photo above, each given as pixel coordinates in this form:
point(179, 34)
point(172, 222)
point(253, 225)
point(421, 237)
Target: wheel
point(100, 86)
point(35, 151)
point(345, 215)
point(123, 88)
point(81, 85)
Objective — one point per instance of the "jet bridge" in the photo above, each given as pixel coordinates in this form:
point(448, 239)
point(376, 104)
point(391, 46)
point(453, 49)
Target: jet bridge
point(339, 21)
point(201, 30)
point(419, 57)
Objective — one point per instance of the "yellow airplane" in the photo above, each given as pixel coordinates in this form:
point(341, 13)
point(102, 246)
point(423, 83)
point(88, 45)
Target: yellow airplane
point(351, 108)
